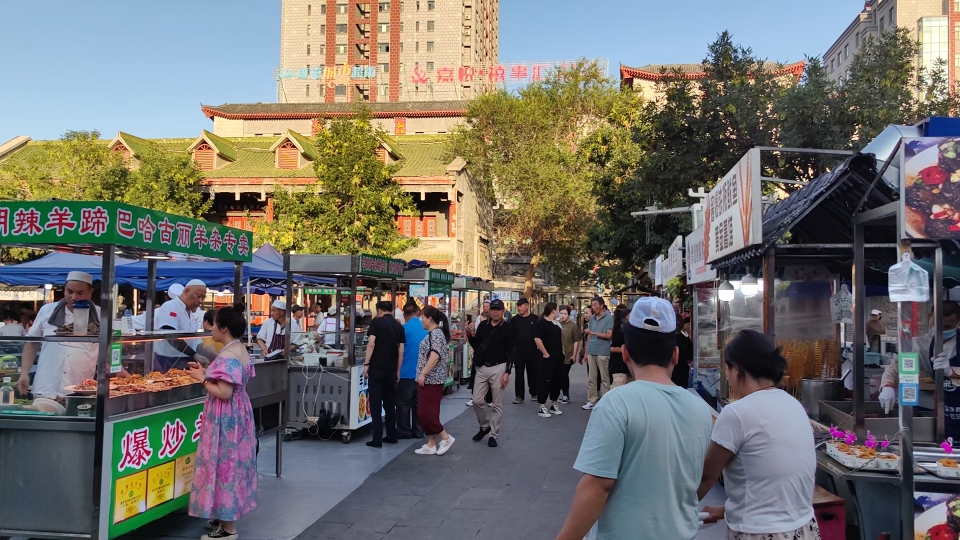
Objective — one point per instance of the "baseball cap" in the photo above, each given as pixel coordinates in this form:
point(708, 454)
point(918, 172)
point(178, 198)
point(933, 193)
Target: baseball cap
point(280, 304)
point(875, 312)
point(496, 304)
point(522, 301)
point(653, 314)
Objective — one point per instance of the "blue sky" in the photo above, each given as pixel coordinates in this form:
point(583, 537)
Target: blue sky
point(145, 67)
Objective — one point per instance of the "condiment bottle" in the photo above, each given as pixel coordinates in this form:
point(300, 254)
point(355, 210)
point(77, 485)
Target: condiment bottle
point(6, 392)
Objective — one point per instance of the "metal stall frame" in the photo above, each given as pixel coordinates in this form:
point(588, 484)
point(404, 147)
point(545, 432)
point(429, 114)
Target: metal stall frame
point(347, 270)
point(464, 285)
point(73, 502)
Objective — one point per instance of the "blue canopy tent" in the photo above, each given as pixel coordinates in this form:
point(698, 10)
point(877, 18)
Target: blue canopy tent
point(53, 268)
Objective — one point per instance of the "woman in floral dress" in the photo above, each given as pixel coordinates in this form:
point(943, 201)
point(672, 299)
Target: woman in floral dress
point(225, 478)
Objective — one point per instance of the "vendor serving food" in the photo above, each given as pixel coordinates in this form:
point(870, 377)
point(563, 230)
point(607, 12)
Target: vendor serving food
point(61, 363)
point(177, 315)
point(272, 337)
point(948, 362)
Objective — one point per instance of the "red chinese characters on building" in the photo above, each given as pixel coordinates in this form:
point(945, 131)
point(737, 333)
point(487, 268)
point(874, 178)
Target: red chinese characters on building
point(124, 224)
point(94, 221)
point(27, 221)
point(200, 237)
point(445, 75)
point(166, 231)
point(173, 436)
point(419, 76)
point(518, 73)
point(146, 227)
point(243, 245)
point(230, 241)
point(497, 74)
point(136, 450)
point(197, 428)
point(216, 241)
point(465, 74)
point(183, 234)
point(60, 220)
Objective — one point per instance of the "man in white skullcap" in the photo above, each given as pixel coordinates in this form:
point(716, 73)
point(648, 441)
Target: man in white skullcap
point(140, 320)
point(272, 337)
point(61, 363)
point(176, 315)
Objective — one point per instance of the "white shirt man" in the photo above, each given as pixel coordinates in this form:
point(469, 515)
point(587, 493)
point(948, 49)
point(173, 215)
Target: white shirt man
point(140, 320)
point(176, 315)
point(60, 363)
point(272, 336)
point(328, 327)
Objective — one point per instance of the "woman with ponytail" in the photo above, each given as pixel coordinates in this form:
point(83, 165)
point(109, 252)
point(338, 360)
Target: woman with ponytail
point(431, 376)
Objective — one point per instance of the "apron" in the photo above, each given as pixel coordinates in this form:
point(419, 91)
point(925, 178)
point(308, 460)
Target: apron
point(951, 401)
point(279, 341)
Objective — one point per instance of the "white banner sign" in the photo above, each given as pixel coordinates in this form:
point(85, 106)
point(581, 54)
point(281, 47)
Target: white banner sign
point(658, 271)
point(733, 213)
point(673, 265)
point(698, 270)
point(35, 295)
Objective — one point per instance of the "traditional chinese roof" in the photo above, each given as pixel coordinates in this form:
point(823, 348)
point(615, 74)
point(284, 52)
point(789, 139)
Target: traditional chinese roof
point(653, 72)
point(302, 143)
point(220, 145)
point(269, 111)
point(136, 145)
point(424, 155)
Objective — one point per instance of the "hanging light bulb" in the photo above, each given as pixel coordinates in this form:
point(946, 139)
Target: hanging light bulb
point(749, 285)
point(725, 292)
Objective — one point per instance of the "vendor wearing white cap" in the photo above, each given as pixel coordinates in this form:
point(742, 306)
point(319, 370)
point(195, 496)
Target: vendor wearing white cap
point(329, 327)
point(176, 315)
point(140, 320)
point(875, 329)
point(272, 337)
point(61, 363)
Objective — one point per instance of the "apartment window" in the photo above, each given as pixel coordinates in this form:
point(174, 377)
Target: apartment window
point(341, 29)
point(416, 47)
point(383, 7)
point(384, 28)
point(934, 41)
point(882, 25)
point(893, 22)
point(382, 89)
point(383, 47)
point(401, 68)
point(401, 26)
point(323, 49)
point(308, 29)
point(430, 67)
point(401, 44)
point(401, 7)
point(308, 49)
point(956, 60)
point(323, 29)
point(323, 9)
point(418, 5)
point(430, 25)
point(956, 5)
point(341, 90)
point(309, 10)
point(832, 66)
point(417, 27)
point(308, 90)
point(341, 9)
point(846, 51)
point(857, 39)
point(430, 46)
point(431, 5)
point(341, 49)
point(383, 68)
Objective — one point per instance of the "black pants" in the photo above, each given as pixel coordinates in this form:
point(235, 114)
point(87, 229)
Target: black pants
point(551, 379)
point(530, 363)
point(407, 401)
point(565, 380)
point(383, 393)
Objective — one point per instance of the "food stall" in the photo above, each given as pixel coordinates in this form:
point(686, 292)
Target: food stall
point(332, 393)
point(429, 286)
point(470, 291)
point(112, 454)
point(702, 279)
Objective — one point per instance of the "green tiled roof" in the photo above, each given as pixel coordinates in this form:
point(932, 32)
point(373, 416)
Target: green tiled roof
point(136, 145)
point(221, 145)
point(423, 155)
point(306, 144)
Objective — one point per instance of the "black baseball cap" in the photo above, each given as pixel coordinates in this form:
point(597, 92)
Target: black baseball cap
point(522, 301)
point(496, 304)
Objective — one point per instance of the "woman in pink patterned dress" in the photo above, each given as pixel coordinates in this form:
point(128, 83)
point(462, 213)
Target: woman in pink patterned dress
point(225, 478)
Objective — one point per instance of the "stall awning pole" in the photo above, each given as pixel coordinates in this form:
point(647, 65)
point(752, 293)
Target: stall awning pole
point(237, 280)
point(148, 325)
point(859, 325)
point(938, 341)
point(103, 376)
point(769, 294)
point(249, 323)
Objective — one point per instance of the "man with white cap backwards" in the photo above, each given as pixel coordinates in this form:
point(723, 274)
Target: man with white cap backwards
point(272, 337)
point(140, 320)
point(176, 315)
point(61, 363)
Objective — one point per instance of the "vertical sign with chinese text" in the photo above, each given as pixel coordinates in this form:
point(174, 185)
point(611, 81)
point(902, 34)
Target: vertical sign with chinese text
point(673, 265)
point(698, 271)
point(151, 460)
point(732, 217)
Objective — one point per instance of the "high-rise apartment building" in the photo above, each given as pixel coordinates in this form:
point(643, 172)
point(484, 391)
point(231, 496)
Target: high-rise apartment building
point(386, 50)
point(931, 22)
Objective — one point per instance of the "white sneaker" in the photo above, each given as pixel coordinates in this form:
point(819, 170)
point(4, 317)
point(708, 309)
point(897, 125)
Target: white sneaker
point(544, 413)
point(469, 403)
point(426, 450)
point(443, 446)
point(587, 406)
point(555, 410)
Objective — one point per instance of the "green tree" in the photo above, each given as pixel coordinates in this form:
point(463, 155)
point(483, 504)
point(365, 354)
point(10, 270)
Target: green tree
point(523, 149)
point(353, 206)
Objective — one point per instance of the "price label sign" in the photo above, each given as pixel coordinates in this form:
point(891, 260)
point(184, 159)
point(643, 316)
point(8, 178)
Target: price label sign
point(116, 358)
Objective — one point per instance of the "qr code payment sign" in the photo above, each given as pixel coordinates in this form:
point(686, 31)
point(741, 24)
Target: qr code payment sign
point(909, 364)
point(909, 394)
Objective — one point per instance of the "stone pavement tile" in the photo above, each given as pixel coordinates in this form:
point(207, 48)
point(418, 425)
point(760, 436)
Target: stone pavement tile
point(479, 498)
point(410, 533)
point(543, 525)
point(330, 531)
point(373, 524)
point(469, 515)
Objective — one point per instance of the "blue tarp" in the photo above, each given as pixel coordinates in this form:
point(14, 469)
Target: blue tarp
point(53, 268)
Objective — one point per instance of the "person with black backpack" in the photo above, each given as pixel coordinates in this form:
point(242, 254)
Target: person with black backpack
point(492, 344)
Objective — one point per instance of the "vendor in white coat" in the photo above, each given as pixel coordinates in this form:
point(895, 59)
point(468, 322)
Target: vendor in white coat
point(61, 363)
point(947, 361)
point(140, 320)
point(176, 315)
point(272, 337)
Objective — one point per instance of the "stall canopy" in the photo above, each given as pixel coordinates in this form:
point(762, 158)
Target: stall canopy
point(53, 268)
point(821, 212)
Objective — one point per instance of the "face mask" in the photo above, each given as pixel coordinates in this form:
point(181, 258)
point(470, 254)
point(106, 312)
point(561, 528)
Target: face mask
point(949, 334)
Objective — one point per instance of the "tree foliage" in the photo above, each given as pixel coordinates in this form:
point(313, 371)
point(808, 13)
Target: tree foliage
point(353, 206)
point(524, 150)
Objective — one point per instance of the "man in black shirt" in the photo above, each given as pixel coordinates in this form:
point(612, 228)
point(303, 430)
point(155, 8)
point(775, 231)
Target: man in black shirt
point(492, 344)
point(525, 353)
point(681, 371)
point(385, 340)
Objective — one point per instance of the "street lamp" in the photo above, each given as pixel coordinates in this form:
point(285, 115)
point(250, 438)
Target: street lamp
point(725, 291)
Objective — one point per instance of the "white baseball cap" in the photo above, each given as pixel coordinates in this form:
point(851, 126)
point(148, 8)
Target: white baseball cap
point(80, 276)
point(654, 314)
point(876, 312)
point(280, 304)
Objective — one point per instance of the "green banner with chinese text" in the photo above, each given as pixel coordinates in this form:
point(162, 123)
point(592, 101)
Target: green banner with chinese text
point(373, 265)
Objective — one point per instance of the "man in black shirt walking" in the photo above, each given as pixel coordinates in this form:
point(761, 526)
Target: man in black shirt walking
point(385, 340)
point(492, 344)
point(525, 353)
